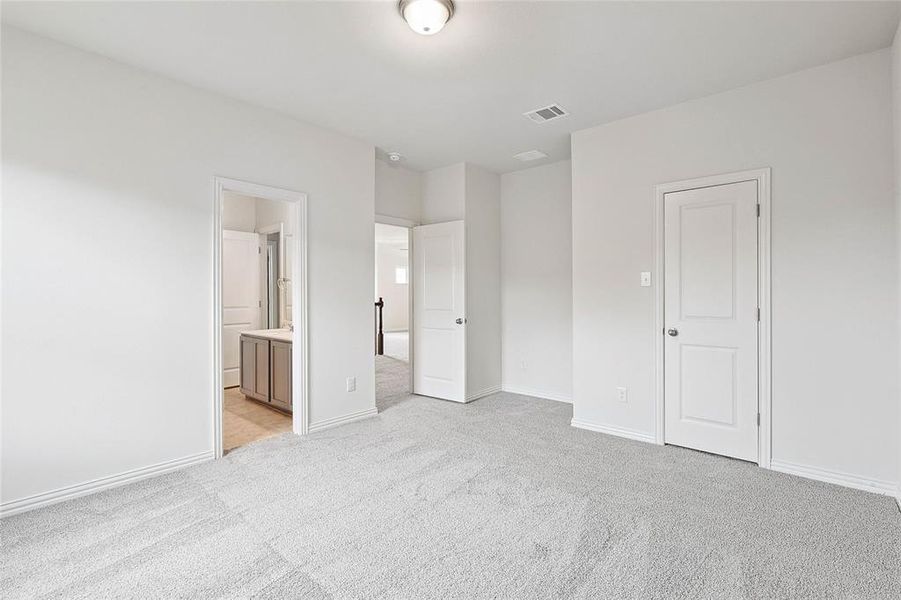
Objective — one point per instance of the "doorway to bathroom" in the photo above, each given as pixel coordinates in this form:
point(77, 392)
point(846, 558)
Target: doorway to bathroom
point(259, 314)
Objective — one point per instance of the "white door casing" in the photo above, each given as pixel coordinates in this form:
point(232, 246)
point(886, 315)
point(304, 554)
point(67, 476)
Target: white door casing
point(240, 297)
point(439, 315)
point(262, 280)
point(296, 265)
point(711, 319)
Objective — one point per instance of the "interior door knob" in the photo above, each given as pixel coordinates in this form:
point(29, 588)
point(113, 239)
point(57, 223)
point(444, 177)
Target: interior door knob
point(672, 332)
point(459, 321)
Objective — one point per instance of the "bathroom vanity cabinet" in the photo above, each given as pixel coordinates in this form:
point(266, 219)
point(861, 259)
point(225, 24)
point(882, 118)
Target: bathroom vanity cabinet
point(266, 358)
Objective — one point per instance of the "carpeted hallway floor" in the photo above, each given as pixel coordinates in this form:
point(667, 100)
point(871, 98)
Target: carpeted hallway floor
point(392, 382)
point(500, 498)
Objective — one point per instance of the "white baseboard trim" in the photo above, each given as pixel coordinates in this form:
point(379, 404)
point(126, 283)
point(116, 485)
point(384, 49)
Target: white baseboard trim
point(343, 419)
point(844, 479)
point(631, 434)
point(537, 394)
point(14, 507)
point(482, 393)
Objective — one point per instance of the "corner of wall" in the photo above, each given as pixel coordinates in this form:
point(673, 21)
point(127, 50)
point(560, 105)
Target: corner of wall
point(896, 105)
point(536, 346)
point(398, 191)
point(443, 192)
point(481, 209)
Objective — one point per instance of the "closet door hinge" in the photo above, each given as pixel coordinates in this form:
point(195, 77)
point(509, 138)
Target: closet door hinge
point(758, 314)
point(758, 211)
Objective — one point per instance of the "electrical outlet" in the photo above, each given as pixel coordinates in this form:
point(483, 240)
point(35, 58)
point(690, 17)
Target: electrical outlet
point(622, 394)
point(351, 384)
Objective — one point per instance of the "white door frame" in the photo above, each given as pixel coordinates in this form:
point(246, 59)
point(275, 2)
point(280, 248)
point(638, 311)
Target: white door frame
point(300, 366)
point(409, 225)
point(764, 330)
point(278, 228)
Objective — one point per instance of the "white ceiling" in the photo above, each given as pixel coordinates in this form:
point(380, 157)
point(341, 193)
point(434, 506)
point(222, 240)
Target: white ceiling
point(356, 67)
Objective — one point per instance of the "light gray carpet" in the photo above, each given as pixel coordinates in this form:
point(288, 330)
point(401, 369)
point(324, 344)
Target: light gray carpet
point(500, 498)
point(392, 382)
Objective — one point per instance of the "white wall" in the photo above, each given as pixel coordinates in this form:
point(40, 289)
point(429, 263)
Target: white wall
point(826, 134)
point(444, 194)
point(398, 191)
point(536, 279)
point(112, 168)
point(896, 102)
point(272, 212)
point(246, 213)
point(239, 212)
point(483, 281)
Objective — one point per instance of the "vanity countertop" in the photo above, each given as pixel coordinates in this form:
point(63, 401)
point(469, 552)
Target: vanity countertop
point(279, 335)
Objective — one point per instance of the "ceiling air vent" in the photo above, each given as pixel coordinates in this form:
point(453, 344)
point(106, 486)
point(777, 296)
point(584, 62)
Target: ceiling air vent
point(548, 113)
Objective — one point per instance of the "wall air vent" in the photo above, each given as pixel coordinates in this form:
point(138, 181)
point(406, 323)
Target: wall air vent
point(548, 113)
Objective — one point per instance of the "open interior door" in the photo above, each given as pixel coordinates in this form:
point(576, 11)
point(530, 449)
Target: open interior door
point(240, 297)
point(439, 315)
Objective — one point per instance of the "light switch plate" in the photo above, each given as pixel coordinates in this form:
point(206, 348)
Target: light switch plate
point(351, 384)
point(645, 279)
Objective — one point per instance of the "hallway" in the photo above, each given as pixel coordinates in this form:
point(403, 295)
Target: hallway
point(397, 345)
point(392, 371)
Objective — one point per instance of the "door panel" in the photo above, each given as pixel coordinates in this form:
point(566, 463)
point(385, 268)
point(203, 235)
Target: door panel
point(240, 297)
point(708, 384)
point(707, 284)
point(438, 278)
point(710, 290)
point(439, 342)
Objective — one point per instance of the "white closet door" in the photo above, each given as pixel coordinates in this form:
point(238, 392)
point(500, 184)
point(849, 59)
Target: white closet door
point(710, 311)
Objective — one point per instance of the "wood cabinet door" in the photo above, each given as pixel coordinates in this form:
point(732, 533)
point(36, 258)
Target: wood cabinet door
point(261, 385)
point(280, 368)
point(255, 368)
point(248, 367)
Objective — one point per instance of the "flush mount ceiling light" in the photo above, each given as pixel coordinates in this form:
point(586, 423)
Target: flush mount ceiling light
point(426, 17)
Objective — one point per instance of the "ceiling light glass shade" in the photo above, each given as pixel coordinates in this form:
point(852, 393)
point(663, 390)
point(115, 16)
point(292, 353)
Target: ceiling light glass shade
point(426, 17)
